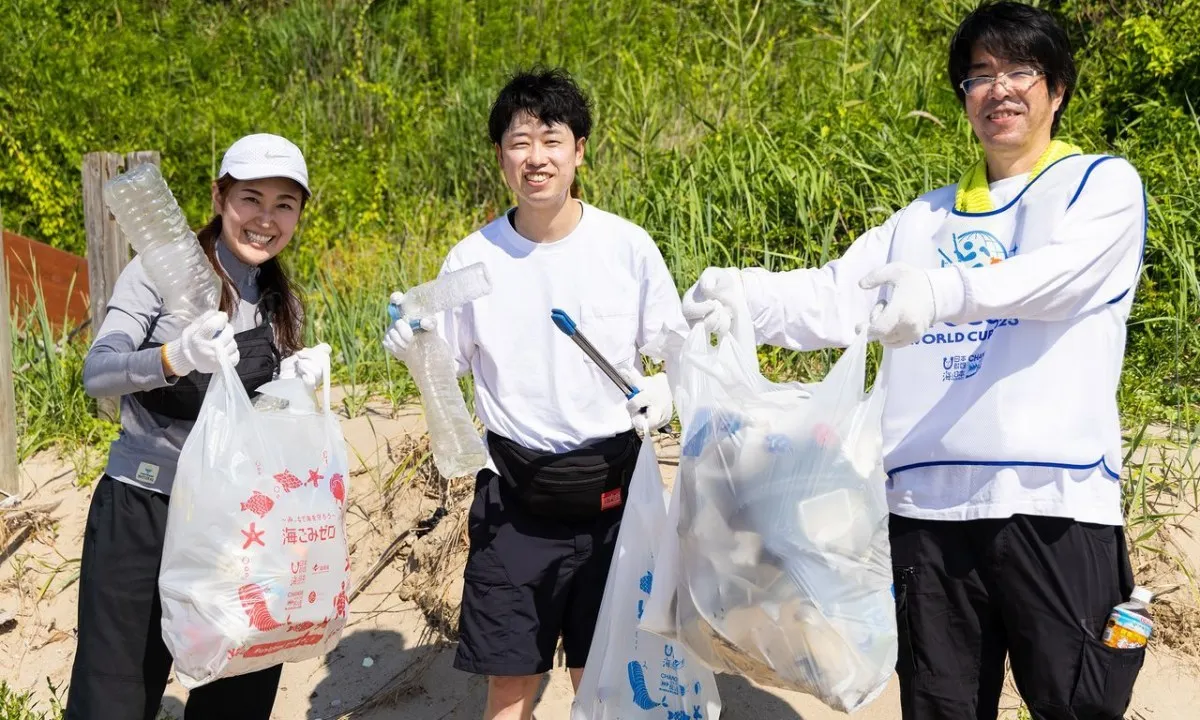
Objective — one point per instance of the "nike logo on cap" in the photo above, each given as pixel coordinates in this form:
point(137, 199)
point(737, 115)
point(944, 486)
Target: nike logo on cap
point(273, 156)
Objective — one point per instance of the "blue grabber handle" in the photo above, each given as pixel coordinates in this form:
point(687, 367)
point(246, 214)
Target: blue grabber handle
point(564, 322)
point(394, 314)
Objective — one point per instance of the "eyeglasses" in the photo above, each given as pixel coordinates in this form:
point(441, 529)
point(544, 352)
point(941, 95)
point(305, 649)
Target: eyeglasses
point(1018, 80)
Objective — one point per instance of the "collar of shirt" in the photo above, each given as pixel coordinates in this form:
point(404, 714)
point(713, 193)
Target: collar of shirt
point(526, 246)
point(243, 276)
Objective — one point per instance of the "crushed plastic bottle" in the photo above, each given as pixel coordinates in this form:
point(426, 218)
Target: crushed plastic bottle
point(458, 449)
point(151, 219)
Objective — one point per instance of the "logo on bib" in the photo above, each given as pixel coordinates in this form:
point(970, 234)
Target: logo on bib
point(971, 249)
point(974, 248)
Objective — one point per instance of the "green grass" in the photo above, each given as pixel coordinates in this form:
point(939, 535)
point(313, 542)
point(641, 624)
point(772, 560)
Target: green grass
point(16, 705)
point(737, 133)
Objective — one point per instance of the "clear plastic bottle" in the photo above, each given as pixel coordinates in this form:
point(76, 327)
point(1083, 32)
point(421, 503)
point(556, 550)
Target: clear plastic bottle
point(1130, 624)
point(151, 219)
point(458, 449)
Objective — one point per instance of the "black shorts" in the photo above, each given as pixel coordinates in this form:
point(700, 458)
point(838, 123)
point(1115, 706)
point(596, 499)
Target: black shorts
point(1037, 589)
point(529, 580)
point(121, 662)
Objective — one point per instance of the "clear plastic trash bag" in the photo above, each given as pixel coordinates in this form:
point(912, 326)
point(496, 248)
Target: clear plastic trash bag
point(255, 566)
point(632, 673)
point(781, 568)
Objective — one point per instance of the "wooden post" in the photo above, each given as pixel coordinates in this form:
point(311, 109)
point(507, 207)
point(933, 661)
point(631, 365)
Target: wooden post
point(141, 157)
point(107, 248)
point(10, 482)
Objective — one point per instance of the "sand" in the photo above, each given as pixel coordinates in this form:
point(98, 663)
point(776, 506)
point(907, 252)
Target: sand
point(392, 659)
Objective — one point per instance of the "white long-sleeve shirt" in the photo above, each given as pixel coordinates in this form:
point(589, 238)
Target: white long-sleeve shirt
point(1031, 304)
point(533, 385)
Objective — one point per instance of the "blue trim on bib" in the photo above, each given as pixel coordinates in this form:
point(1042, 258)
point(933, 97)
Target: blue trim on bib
point(1101, 463)
point(1086, 175)
point(1142, 252)
point(955, 211)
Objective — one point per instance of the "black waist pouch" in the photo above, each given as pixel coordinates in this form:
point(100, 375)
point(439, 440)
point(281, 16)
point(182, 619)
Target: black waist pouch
point(182, 400)
point(577, 484)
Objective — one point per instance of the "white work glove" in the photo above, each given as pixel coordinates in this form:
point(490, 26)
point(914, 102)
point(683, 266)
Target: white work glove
point(651, 408)
point(718, 300)
point(909, 312)
point(714, 299)
point(399, 336)
point(308, 365)
point(202, 345)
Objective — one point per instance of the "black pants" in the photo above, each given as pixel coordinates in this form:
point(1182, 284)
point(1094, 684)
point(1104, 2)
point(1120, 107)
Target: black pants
point(121, 662)
point(530, 579)
point(1037, 589)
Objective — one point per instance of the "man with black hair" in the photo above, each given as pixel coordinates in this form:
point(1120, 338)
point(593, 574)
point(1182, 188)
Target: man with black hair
point(561, 437)
point(1001, 302)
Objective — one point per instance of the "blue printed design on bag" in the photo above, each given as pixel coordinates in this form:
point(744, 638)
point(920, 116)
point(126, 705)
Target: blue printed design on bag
point(646, 582)
point(637, 683)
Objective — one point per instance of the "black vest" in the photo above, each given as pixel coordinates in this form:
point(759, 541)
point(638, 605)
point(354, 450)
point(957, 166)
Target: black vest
point(258, 364)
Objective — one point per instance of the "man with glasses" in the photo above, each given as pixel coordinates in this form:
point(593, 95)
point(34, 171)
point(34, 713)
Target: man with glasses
point(1001, 302)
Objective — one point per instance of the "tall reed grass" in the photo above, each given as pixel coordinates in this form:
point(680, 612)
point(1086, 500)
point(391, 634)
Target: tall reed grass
point(735, 132)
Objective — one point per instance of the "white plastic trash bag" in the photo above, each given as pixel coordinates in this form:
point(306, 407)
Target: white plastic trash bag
point(658, 614)
point(632, 673)
point(255, 567)
point(783, 564)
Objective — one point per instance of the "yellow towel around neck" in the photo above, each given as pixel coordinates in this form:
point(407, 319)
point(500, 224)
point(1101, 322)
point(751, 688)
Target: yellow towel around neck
point(972, 195)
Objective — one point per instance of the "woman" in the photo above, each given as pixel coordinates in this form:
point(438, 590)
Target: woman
point(160, 365)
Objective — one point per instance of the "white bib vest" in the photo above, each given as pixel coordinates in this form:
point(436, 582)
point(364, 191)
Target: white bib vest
point(1005, 392)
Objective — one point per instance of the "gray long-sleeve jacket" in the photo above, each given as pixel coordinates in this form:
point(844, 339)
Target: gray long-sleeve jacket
point(147, 450)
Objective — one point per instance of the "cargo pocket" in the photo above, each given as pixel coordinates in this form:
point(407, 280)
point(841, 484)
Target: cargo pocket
point(484, 566)
point(902, 587)
point(1104, 686)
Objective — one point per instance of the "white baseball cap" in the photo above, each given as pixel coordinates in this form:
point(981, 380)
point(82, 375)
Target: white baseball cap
point(262, 156)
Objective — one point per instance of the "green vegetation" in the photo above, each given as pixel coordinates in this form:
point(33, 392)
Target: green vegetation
point(736, 133)
point(21, 705)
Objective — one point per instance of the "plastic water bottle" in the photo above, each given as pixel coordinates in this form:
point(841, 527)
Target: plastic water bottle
point(458, 449)
point(1130, 625)
point(157, 229)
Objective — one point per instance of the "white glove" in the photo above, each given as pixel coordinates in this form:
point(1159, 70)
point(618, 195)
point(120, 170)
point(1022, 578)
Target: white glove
point(201, 346)
point(714, 299)
point(651, 407)
point(399, 336)
point(909, 312)
point(308, 365)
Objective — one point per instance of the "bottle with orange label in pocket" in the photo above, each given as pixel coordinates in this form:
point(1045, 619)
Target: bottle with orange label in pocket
point(1130, 624)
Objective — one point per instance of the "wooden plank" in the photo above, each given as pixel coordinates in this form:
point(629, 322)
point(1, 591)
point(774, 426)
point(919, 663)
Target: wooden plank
point(107, 248)
point(10, 481)
point(61, 276)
